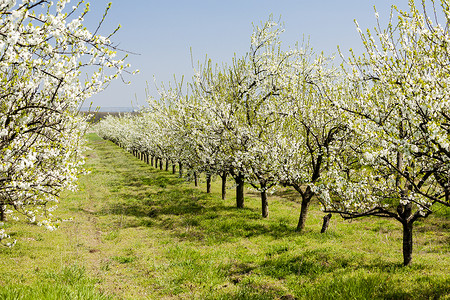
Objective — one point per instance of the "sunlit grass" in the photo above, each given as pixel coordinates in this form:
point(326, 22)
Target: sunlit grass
point(141, 233)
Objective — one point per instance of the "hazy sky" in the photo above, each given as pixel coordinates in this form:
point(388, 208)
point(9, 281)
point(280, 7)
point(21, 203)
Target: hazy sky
point(163, 32)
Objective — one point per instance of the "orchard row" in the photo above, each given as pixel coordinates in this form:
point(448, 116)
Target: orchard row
point(369, 138)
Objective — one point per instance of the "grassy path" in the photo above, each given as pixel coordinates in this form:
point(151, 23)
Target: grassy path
point(140, 233)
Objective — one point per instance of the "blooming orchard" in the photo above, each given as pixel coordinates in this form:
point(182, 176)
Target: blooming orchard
point(372, 138)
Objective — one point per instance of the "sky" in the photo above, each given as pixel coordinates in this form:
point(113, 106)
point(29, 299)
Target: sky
point(162, 34)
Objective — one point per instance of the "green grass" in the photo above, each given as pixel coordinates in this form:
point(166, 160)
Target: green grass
point(141, 233)
point(68, 283)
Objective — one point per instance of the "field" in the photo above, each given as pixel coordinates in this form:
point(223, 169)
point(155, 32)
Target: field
point(135, 232)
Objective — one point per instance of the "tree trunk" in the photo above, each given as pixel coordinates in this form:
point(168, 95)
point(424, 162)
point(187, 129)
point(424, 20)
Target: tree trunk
point(195, 179)
point(303, 213)
point(151, 161)
point(174, 168)
point(208, 183)
point(239, 191)
point(2, 213)
point(224, 184)
point(167, 164)
point(404, 212)
point(326, 222)
point(407, 242)
point(160, 164)
point(264, 204)
point(180, 169)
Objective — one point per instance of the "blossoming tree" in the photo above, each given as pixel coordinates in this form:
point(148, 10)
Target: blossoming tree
point(399, 110)
point(313, 130)
point(44, 48)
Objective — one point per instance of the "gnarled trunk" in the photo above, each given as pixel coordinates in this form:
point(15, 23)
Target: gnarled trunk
point(407, 242)
point(2, 212)
point(326, 222)
point(264, 204)
point(174, 168)
point(303, 214)
point(404, 212)
point(306, 200)
point(224, 184)
point(239, 190)
point(208, 183)
point(180, 169)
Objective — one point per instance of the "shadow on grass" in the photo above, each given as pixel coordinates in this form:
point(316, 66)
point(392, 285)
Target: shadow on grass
point(310, 263)
point(156, 198)
point(163, 200)
point(161, 181)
